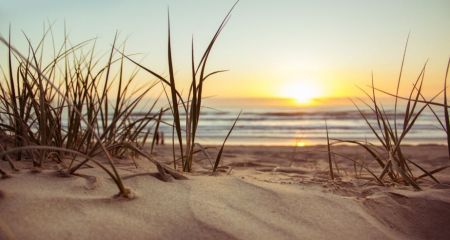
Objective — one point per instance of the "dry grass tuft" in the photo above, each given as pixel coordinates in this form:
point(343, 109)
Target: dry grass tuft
point(392, 131)
point(191, 106)
point(65, 111)
point(59, 110)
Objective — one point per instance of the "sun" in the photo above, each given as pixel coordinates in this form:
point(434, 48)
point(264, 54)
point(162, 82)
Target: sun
point(303, 92)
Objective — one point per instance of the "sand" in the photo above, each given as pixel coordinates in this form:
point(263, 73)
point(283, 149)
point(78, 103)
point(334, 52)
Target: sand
point(259, 193)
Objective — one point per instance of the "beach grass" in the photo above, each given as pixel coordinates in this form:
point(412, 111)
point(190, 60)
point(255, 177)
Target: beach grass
point(36, 96)
point(191, 106)
point(82, 147)
point(77, 108)
point(97, 101)
point(392, 129)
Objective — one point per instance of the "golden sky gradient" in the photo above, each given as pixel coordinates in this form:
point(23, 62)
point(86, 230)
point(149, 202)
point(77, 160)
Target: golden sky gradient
point(272, 49)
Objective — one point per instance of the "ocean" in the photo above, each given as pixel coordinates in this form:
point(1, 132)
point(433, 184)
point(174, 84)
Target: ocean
point(297, 125)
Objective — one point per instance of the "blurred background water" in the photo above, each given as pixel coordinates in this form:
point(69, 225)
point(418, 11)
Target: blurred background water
point(295, 125)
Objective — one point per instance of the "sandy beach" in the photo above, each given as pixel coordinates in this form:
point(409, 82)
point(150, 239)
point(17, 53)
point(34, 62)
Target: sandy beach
point(259, 193)
point(229, 119)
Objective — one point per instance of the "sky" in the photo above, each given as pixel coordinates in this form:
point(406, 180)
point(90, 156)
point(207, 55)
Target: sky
point(272, 48)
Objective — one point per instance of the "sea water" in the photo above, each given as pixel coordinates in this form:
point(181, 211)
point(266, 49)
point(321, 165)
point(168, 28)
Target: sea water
point(297, 125)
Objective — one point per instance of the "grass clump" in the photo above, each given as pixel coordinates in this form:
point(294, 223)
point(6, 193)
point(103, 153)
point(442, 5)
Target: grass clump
point(59, 110)
point(392, 129)
point(190, 107)
point(76, 109)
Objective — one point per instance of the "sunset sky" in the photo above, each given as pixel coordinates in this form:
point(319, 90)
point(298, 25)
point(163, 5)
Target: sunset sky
point(272, 48)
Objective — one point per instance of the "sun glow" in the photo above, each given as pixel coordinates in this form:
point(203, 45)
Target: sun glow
point(303, 92)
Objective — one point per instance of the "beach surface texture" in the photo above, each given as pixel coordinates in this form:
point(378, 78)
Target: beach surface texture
point(258, 193)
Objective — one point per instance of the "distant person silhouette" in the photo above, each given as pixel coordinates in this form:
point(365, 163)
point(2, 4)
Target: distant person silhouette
point(157, 138)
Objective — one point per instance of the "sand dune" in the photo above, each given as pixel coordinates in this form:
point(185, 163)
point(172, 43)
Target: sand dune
point(261, 193)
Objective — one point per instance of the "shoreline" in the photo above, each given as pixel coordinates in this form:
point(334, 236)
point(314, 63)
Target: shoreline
point(317, 145)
